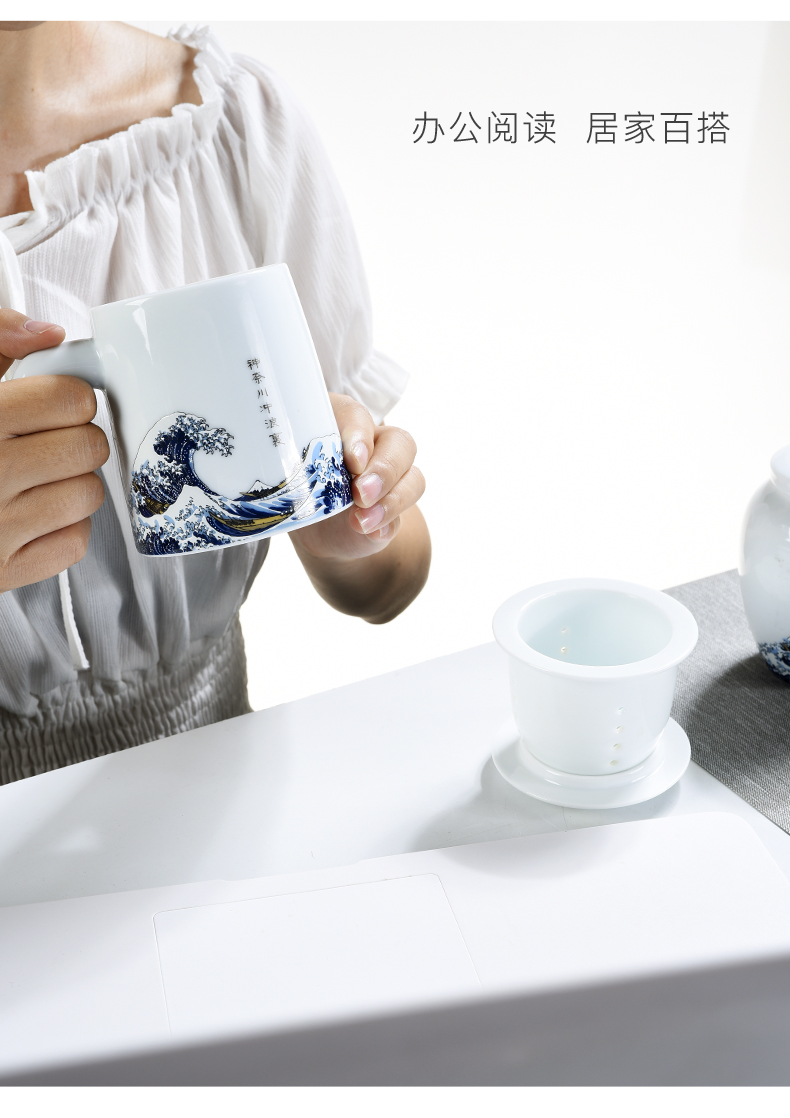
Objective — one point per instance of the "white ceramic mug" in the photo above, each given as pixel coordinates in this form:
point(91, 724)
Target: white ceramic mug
point(764, 565)
point(593, 664)
point(223, 423)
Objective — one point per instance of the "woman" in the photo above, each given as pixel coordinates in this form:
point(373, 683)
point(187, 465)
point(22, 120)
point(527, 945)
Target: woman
point(131, 164)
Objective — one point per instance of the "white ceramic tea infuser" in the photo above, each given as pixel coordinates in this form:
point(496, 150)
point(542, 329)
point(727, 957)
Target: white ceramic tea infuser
point(221, 416)
point(593, 664)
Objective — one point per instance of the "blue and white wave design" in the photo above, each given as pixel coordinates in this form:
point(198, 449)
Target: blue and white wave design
point(777, 656)
point(175, 512)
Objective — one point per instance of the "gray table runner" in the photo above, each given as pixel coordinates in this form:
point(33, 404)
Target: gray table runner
point(735, 710)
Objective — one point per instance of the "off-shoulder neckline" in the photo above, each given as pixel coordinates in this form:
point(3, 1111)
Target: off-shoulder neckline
point(116, 164)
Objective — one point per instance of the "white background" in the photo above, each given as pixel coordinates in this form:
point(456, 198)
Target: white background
point(596, 333)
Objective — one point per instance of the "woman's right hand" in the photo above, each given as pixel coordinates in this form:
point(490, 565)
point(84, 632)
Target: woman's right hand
point(48, 451)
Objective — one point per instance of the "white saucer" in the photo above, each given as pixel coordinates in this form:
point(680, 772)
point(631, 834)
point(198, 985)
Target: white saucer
point(663, 768)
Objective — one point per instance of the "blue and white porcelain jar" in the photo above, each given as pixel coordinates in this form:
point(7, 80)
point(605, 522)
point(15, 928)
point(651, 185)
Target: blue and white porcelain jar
point(764, 565)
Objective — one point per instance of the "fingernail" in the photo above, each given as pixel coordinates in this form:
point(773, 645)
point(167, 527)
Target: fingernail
point(360, 452)
point(370, 518)
point(40, 327)
point(370, 487)
point(384, 532)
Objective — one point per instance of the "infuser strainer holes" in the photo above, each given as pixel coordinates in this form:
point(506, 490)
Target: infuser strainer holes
point(609, 627)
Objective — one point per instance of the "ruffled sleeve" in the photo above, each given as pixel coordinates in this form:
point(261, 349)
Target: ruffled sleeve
point(302, 219)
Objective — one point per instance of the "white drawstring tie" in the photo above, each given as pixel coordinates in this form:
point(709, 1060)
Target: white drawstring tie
point(78, 658)
point(12, 294)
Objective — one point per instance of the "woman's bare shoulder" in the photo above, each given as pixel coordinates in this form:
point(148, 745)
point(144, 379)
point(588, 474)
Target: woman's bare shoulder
point(65, 84)
point(148, 71)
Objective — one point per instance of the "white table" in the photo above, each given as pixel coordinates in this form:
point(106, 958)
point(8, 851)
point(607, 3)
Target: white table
point(394, 764)
point(390, 766)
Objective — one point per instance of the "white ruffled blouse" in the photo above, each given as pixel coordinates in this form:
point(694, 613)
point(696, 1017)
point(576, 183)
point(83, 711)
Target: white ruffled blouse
point(234, 183)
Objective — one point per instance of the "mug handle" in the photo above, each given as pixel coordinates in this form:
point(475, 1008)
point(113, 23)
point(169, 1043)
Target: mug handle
point(78, 359)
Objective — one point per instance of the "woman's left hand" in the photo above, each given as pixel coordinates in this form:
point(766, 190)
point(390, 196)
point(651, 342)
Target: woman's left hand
point(373, 558)
point(386, 483)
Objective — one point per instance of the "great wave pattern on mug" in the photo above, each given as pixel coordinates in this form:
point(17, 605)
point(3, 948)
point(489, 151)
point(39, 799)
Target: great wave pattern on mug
point(176, 512)
point(777, 656)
